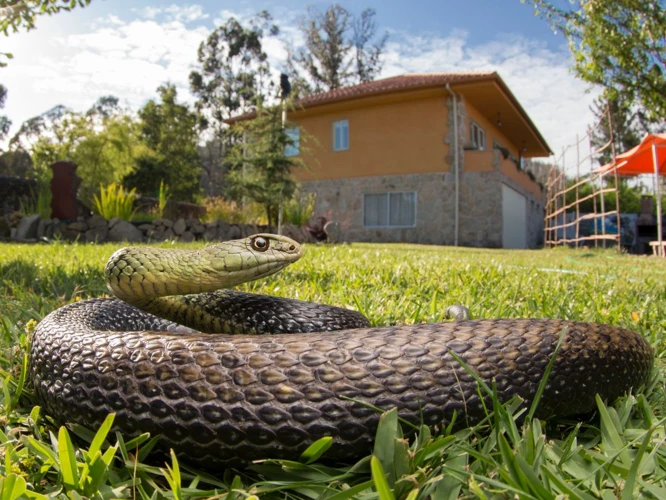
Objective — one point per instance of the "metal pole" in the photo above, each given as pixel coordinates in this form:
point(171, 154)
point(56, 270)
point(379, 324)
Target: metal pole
point(593, 183)
point(596, 232)
point(563, 188)
point(577, 190)
point(617, 182)
point(456, 156)
point(655, 161)
point(280, 206)
point(546, 213)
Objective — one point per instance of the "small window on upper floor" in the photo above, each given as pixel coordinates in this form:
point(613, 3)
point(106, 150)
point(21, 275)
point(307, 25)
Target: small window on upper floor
point(293, 148)
point(340, 135)
point(477, 136)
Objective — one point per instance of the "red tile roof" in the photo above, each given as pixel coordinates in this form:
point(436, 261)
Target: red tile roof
point(413, 81)
point(394, 84)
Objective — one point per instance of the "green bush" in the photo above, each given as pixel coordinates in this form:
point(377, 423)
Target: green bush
point(162, 199)
point(40, 204)
point(229, 211)
point(299, 209)
point(114, 201)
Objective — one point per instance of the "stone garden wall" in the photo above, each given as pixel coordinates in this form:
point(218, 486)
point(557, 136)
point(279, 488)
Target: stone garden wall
point(96, 229)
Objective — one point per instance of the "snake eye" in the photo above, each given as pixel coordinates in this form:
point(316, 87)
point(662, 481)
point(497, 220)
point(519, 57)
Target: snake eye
point(260, 244)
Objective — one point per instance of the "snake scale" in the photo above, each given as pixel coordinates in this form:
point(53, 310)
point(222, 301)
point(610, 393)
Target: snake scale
point(222, 399)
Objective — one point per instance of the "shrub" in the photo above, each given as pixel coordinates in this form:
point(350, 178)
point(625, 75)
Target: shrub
point(162, 199)
point(229, 211)
point(299, 209)
point(114, 201)
point(40, 204)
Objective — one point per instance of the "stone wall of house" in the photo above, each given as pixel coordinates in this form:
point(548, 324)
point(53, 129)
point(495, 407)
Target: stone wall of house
point(480, 217)
point(341, 200)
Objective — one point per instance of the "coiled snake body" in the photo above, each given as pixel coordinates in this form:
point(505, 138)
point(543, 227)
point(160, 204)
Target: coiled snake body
point(230, 399)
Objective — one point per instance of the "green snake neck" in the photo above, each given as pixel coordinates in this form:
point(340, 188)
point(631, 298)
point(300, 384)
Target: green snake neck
point(157, 280)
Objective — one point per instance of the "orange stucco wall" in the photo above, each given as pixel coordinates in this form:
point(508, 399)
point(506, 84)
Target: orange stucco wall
point(478, 161)
point(385, 138)
point(493, 133)
point(399, 134)
point(521, 178)
point(482, 161)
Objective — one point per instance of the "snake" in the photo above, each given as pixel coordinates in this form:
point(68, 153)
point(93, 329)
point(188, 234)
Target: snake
point(226, 377)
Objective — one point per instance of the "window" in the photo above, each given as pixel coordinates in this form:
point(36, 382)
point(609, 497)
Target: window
point(389, 209)
point(477, 136)
point(340, 135)
point(293, 148)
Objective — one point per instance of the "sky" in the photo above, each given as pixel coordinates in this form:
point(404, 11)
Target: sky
point(128, 48)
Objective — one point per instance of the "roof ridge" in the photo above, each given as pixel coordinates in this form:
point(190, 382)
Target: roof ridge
point(407, 81)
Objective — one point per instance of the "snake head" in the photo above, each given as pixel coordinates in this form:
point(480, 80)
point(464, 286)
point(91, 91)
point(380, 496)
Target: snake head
point(251, 258)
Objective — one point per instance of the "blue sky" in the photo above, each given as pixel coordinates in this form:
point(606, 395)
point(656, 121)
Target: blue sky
point(128, 48)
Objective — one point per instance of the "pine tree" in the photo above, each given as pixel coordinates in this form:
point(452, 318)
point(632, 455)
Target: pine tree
point(259, 166)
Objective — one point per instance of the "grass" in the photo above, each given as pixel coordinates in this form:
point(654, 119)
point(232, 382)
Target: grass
point(618, 453)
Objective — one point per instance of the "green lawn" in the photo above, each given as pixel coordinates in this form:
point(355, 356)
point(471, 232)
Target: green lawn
point(619, 453)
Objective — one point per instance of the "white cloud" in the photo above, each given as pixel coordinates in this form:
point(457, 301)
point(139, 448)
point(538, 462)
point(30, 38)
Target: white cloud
point(180, 13)
point(131, 58)
point(126, 59)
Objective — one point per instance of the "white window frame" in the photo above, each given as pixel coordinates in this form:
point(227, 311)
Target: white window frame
point(388, 209)
point(295, 148)
point(343, 125)
point(477, 136)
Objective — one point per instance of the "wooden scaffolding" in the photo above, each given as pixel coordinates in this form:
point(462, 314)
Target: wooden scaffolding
point(563, 218)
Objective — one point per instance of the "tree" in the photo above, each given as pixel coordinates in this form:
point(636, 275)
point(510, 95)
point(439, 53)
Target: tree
point(213, 166)
point(630, 197)
point(234, 75)
point(105, 107)
point(627, 127)
point(32, 129)
point(16, 14)
point(5, 123)
point(169, 132)
point(103, 154)
point(618, 44)
point(339, 50)
point(100, 141)
point(367, 54)
point(22, 14)
point(107, 154)
point(16, 163)
point(260, 169)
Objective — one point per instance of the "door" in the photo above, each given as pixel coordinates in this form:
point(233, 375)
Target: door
point(514, 218)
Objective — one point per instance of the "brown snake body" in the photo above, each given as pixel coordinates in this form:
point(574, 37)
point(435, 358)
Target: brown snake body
point(221, 399)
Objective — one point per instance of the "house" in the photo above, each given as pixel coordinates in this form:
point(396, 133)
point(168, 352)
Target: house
point(384, 161)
